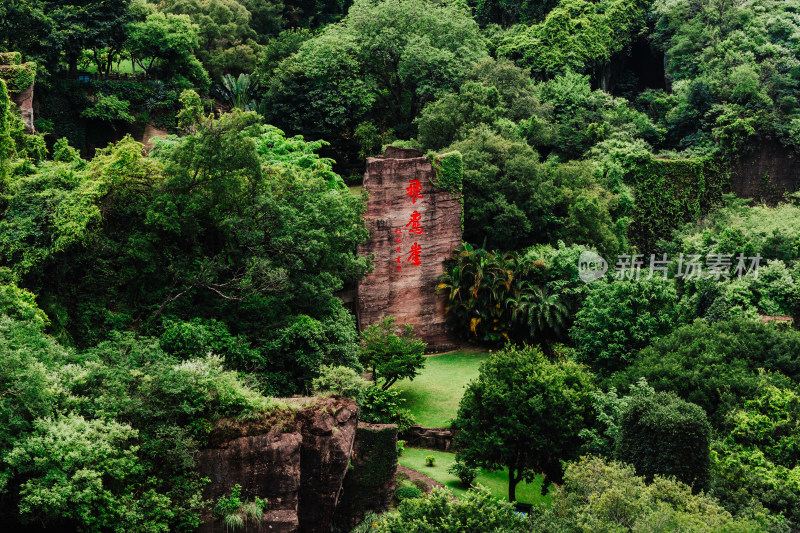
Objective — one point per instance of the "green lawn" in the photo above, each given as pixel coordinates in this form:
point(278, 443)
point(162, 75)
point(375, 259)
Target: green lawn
point(125, 67)
point(433, 396)
point(497, 482)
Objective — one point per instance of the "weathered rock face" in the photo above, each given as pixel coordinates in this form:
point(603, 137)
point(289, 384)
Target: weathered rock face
point(298, 465)
point(24, 101)
point(425, 437)
point(407, 292)
point(370, 482)
point(769, 159)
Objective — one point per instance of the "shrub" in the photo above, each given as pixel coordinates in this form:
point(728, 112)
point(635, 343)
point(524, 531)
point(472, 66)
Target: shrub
point(464, 472)
point(401, 447)
point(430, 460)
point(339, 380)
point(407, 493)
point(109, 108)
point(620, 318)
point(440, 512)
point(662, 434)
point(380, 406)
point(421, 485)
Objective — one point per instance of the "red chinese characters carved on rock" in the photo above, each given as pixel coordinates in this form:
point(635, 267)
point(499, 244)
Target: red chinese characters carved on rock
point(398, 239)
point(414, 190)
point(414, 223)
point(413, 255)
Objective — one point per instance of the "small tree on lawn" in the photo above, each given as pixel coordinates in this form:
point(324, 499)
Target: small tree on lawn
point(524, 412)
point(391, 355)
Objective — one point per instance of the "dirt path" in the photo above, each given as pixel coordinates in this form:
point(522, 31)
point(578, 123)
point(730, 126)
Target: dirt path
point(413, 474)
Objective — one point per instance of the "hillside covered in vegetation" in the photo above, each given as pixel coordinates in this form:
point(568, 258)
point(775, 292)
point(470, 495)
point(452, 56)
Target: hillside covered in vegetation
point(150, 287)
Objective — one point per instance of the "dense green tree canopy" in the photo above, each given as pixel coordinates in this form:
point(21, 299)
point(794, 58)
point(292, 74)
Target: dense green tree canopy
point(385, 58)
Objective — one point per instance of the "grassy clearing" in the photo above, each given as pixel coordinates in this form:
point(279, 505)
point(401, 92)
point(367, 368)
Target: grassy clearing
point(497, 482)
point(433, 396)
point(125, 67)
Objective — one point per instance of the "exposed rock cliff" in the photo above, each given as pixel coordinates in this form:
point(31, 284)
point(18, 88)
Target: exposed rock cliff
point(297, 460)
point(407, 293)
point(765, 172)
point(370, 481)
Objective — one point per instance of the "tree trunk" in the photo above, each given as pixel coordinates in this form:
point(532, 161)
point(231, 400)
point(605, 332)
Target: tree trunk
point(73, 67)
point(512, 485)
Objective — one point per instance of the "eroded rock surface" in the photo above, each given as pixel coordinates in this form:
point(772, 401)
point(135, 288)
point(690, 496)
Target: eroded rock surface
point(24, 100)
point(407, 293)
point(298, 462)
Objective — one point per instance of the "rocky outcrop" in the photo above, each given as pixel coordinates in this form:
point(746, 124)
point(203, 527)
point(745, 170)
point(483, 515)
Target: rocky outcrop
point(297, 460)
point(24, 100)
point(434, 438)
point(765, 172)
point(397, 286)
point(370, 482)
point(19, 78)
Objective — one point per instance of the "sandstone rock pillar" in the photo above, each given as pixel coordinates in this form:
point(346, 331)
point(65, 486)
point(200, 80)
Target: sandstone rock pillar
point(399, 287)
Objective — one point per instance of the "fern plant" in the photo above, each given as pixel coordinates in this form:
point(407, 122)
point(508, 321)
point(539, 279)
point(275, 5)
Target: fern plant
point(235, 513)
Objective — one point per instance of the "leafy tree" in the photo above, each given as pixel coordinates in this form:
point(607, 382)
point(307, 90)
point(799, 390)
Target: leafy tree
point(219, 224)
point(226, 38)
point(576, 35)
point(730, 63)
point(266, 16)
point(52, 31)
point(166, 43)
point(609, 408)
point(191, 113)
point(391, 356)
point(598, 495)
point(510, 12)
point(71, 463)
point(385, 58)
point(524, 413)
point(755, 463)
point(279, 48)
point(662, 434)
point(619, 318)
point(109, 108)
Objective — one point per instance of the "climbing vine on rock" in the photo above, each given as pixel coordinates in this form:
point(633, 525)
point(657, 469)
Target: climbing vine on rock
point(17, 75)
point(670, 192)
point(449, 173)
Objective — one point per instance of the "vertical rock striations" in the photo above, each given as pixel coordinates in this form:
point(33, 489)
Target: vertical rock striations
point(297, 460)
point(370, 481)
point(407, 293)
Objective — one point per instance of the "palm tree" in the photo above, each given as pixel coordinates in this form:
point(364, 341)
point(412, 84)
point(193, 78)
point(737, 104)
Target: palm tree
point(545, 315)
point(238, 92)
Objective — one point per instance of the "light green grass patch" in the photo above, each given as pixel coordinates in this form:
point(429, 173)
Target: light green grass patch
point(434, 395)
point(497, 482)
